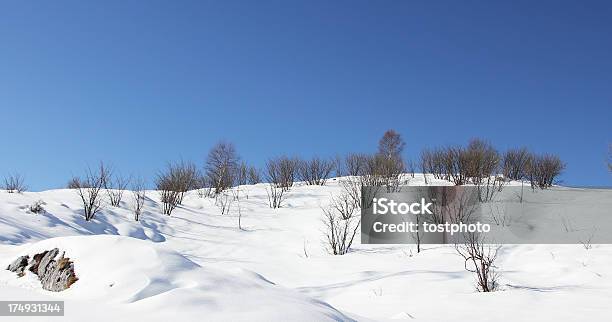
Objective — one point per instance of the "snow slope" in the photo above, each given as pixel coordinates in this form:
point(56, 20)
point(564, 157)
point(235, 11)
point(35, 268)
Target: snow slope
point(197, 263)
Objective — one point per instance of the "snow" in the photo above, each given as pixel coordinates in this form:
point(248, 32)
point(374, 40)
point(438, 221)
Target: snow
point(197, 264)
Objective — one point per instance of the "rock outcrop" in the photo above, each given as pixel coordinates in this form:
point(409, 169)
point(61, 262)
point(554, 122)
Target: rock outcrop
point(54, 274)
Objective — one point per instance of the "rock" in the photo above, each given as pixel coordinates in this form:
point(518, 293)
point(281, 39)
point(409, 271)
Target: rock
point(54, 275)
point(19, 265)
point(59, 275)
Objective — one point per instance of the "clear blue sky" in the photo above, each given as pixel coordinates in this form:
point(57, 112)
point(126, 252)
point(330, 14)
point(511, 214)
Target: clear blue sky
point(140, 83)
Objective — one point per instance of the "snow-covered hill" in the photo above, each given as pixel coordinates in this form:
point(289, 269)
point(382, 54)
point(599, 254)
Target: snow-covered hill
point(197, 264)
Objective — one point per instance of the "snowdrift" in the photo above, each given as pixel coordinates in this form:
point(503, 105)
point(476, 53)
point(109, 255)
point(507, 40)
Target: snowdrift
point(116, 270)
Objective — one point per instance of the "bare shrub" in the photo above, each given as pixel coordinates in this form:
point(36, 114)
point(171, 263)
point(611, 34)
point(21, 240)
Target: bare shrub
point(315, 171)
point(483, 165)
point(276, 182)
point(224, 201)
point(288, 171)
point(139, 195)
point(221, 166)
point(37, 207)
point(341, 223)
point(355, 164)
point(515, 162)
point(89, 188)
point(115, 187)
point(204, 187)
point(168, 189)
point(482, 160)
point(15, 183)
point(544, 169)
point(433, 162)
point(456, 165)
point(479, 258)
point(73, 183)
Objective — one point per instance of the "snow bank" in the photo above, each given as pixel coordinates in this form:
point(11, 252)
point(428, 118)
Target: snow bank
point(116, 270)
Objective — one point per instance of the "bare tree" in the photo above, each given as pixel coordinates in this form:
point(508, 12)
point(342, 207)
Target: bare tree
point(89, 188)
point(15, 183)
point(338, 164)
point(253, 175)
point(221, 165)
point(391, 144)
point(242, 174)
point(275, 176)
point(115, 187)
point(341, 223)
point(479, 258)
point(355, 164)
point(389, 162)
point(315, 171)
point(139, 195)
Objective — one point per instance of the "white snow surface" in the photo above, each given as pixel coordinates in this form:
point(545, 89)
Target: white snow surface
point(197, 265)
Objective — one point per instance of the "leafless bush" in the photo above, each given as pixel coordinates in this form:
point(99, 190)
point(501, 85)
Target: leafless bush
point(355, 164)
point(482, 161)
point(89, 188)
point(224, 201)
point(456, 165)
point(37, 207)
point(288, 171)
point(73, 183)
point(383, 171)
point(15, 183)
point(341, 223)
point(515, 162)
point(543, 169)
point(315, 171)
point(275, 176)
point(115, 187)
point(483, 167)
point(203, 187)
point(433, 162)
point(222, 165)
point(479, 258)
point(169, 190)
point(139, 195)
point(253, 175)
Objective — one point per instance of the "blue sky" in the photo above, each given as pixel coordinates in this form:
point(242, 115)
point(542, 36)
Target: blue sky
point(140, 83)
